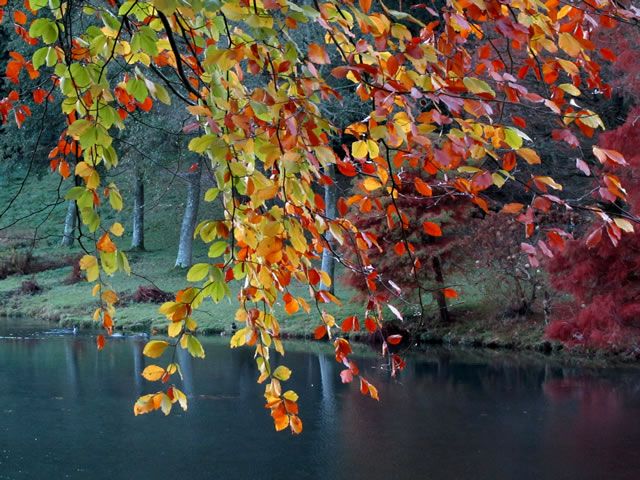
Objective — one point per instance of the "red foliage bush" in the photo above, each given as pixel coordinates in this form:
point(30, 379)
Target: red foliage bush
point(604, 280)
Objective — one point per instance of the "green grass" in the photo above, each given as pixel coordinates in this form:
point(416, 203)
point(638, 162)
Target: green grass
point(474, 310)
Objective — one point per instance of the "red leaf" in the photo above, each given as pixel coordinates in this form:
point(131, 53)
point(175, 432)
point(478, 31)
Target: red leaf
point(582, 166)
point(320, 332)
point(370, 325)
point(347, 324)
point(342, 207)
point(556, 240)
point(394, 339)
point(509, 161)
point(346, 376)
point(399, 248)
point(594, 238)
point(39, 95)
point(100, 342)
point(432, 229)
point(519, 122)
point(608, 54)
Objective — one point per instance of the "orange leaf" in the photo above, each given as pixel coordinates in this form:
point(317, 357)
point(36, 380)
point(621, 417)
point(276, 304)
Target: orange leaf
point(365, 5)
point(19, 17)
point(318, 55)
point(105, 244)
point(399, 248)
point(320, 332)
point(296, 424)
point(512, 207)
point(100, 342)
point(432, 229)
point(422, 187)
point(450, 293)
point(394, 339)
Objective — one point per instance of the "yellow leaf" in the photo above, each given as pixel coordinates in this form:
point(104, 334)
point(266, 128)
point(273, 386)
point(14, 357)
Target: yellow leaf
point(359, 149)
point(549, 181)
point(570, 89)
point(373, 148)
point(624, 224)
point(155, 348)
point(370, 184)
point(117, 229)
point(153, 373)
point(569, 44)
point(529, 155)
point(498, 180)
point(109, 296)
point(90, 264)
point(175, 328)
point(282, 373)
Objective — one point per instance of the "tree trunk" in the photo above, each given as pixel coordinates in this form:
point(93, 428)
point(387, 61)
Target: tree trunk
point(68, 237)
point(330, 199)
point(440, 297)
point(137, 239)
point(183, 259)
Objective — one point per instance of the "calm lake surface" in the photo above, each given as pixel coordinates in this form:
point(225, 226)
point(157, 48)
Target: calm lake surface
point(66, 412)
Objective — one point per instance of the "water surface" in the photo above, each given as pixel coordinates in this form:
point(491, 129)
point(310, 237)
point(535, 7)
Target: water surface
point(66, 412)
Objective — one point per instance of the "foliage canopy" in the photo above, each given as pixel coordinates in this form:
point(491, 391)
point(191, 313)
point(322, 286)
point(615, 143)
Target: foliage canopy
point(444, 85)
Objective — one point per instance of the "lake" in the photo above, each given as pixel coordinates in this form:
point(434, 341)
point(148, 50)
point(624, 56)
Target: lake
point(67, 412)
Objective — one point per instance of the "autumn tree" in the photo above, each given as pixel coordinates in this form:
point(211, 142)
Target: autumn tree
point(441, 88)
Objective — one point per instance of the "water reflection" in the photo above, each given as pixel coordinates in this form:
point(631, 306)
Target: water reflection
point(67, 411)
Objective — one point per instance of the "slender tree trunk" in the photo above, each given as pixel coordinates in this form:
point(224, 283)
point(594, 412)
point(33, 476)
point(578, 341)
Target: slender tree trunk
point(183, 259)
point(330, 201)
point(440, 297)
point(137, 239)
point(69, 225)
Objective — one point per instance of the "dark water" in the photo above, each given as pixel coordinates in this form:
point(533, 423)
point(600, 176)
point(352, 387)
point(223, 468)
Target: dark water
point(66, 412)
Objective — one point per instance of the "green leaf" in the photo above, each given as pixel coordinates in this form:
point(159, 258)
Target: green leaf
point(211, 194)
point(123, 263)
point(109, 262)
point(217, 249)
point(282, 373)
point(200, 144)
point(513, 139)
point(478, 86)
point(80, 75)
point(198, 272)
point(39, 57)
point(75, 193)
point(194, 347)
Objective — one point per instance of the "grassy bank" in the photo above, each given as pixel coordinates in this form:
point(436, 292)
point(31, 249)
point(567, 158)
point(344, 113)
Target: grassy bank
point(477, 312)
